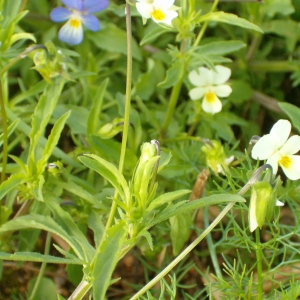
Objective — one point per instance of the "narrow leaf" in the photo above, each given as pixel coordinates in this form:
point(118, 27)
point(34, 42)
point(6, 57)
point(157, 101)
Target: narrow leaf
point(109, 172)
point(231, 19)
point(106, 259)
point(166, 198)
point(13, 181)
point(93, 118)
point(174, 74)
point(38, 257)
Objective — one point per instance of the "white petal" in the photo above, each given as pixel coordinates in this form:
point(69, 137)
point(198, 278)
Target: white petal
point(279, 203)
point(222, 90)
point(212, 107)
point(222, 75)
point(293, 171)
point(169, 16)
point(292, 145)
point(201, 77)
point(163, 4)
point(264, 148)
point(197, 93)
point(229, 160)
point(144, 9)
point(273, 161)
point(280, 132)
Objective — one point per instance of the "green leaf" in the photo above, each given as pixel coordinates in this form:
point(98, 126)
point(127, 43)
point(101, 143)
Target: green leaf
point(23, 127)
point(220, 48)
point(12, 182)
point(52, 141)
point(106, 259)
point(282, 7)
point(83, 247)
point(46, 289)
point(231, 19)
point(192, 205)
point(10, 130)
point(166, 198)
point(43, 112)
point(180, 231)
point(113, 39)
point(174, 74)
point(152, 33)
point(109, 172)
point(43, 223)
point(38, 257)
point(93, 119)
point(293, 112)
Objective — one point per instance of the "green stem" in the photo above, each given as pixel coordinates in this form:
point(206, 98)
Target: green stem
point(186, 251)
point(260, 280)
point(5, 132)
point(211, 247)
point(204, 26)
point(84, 286)
point(42, 269)
point(127, 108)
point(172, 104)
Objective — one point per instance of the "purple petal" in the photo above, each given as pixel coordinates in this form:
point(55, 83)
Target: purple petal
point(60, 14)
point(75, 4)
point(91, 22)
point(72, 35)
point(92, 6)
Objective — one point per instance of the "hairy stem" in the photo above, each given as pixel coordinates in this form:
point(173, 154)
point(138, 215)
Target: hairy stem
point(258, 252)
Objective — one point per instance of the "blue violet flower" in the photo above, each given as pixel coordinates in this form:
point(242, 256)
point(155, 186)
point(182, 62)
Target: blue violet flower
point(77, 12)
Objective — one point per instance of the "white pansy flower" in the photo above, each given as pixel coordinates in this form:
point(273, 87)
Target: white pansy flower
point(161, 11)
point(210, 86)
point(277, 148)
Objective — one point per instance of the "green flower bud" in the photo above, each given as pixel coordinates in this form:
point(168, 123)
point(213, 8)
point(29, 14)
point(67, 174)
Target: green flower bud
point(109, 130)
point(215, 157)
point(261, 199)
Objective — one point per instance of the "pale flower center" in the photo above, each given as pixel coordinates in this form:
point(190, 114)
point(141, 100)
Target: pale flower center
point(285, 161)
point(210, 97)
point(158, 15)
point(75, 22)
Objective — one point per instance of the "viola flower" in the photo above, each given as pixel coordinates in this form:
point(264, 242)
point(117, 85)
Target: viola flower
point(77, 12)
point(277, 148)
point(209, 86)
point(161, 11)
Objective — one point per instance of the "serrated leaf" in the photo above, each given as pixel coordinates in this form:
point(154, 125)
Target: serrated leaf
point(227, 18)
point(106, 259)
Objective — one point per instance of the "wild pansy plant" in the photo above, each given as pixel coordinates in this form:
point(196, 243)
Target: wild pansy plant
point(77, 12)
point(277, 148)
point(210, 84)
point(160, 11)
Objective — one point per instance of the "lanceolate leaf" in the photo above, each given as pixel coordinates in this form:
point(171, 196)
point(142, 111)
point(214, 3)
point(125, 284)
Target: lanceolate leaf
point(38, 257)
point(107, 258)
point(231, 19)
point(109, 172)
point(52, 141)
point(166, 198)
point(293, 112)
point(13, 181)
point(43, 223)
point(192, 205)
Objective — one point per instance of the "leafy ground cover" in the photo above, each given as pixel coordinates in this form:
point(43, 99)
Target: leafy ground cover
point(149, 149)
